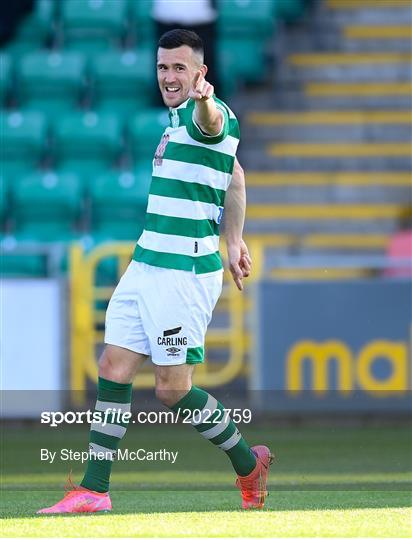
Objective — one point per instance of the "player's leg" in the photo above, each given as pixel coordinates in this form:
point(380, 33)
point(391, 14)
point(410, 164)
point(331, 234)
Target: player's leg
point(117, 369)
point(176, 318)
point(174, 389)
point(208, 416)
point(126, 349)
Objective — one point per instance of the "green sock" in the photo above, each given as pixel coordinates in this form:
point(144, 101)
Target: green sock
point(218, 427)
point(110, 395)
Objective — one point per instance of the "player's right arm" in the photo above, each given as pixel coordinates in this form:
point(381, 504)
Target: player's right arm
point(206, 115)
point(235, 210)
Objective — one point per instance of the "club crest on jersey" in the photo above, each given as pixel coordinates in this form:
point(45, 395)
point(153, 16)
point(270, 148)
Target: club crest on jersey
point(160, 150)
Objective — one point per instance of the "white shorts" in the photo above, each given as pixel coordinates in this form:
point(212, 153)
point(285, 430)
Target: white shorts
point(162, 313)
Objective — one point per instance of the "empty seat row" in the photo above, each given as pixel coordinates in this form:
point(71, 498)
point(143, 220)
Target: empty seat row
point(52, 206)
point(93, 30)
point(90, 25)
point(56, 81)
point(97, 24)
point(83, 142)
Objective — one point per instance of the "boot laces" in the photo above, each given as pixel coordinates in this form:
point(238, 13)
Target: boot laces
point(70, 487)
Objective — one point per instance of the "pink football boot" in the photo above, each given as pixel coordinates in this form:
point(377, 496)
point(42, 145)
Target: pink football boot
point(78, 499)
point(253, 486)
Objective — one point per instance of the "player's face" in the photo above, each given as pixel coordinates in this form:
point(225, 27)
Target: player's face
point(176, 69)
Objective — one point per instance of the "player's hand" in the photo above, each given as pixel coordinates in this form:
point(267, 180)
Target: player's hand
point(240, 263)
point(200, 89)
point(245, 262)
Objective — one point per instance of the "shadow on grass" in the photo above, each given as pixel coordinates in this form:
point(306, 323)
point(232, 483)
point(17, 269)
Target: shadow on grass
point(25, 504)
point(141, 488)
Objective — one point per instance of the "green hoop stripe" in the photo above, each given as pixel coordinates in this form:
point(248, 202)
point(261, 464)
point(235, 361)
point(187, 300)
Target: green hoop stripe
point(225, 435)
point(185, 119)
point(221, 412)
point(199, 155)
point(113, 391)
point(167, 187)
point(194, 228)
point(108, 441)
point(202, 265)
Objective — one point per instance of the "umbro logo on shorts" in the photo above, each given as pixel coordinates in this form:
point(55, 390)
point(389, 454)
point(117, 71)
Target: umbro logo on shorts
point(173, 351)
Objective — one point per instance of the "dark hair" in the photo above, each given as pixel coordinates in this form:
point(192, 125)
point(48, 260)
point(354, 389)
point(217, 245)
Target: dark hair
point(178, 37)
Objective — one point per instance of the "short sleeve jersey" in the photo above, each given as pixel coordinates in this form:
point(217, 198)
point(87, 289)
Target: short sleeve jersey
point(191, 173)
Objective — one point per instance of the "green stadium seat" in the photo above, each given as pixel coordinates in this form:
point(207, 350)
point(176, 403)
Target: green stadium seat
point(4, 201)
point(35, 30)
point(141, 15)
point(20, 263)
point(145, 130)
point(229, 74)
point(246, 18)
point(38, 25)
point(24, 138)
point(51, 81)
point(5, 76)
point(87, 143)
point(247, 58)
point(119, 201)
point(123, 81)
point(243, 29)
point(289, 10)
point(94, 25)
point(46, 206)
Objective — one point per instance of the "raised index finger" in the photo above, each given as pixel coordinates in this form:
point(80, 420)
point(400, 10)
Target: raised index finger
point(197, 79)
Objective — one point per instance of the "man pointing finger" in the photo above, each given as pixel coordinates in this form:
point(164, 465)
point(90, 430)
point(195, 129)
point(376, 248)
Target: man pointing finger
point(163, 303)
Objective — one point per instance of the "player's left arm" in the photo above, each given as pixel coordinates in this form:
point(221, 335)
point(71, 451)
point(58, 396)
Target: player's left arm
point(206, 114)
point(240, 261)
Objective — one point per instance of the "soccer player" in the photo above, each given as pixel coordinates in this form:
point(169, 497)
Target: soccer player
point(163, 303)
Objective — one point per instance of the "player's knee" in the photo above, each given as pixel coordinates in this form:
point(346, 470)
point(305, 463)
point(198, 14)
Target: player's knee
point(111, 370)
point(164, 395)
point(167, 395)
point(105, 367)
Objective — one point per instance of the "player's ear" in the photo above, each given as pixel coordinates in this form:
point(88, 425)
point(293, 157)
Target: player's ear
point(203, 69)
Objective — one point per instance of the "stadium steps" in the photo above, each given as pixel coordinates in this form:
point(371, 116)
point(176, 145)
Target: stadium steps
point(368, 95)
point(328, 150)
point(350, 67)
point(369, 187)
point(372, 12)
point(285, 160)
point(344, 194)
point(330, 95)
point(385, 27)
point(331, 125)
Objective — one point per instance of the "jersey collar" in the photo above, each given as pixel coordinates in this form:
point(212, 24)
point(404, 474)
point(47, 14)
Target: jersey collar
point(181, 106)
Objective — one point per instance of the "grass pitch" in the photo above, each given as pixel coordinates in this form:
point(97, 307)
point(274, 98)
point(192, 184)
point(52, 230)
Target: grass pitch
point(327, 482)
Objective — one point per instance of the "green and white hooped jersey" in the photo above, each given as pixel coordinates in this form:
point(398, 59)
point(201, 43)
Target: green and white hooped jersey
point(191, 173)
